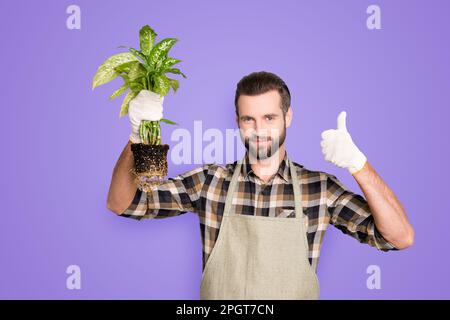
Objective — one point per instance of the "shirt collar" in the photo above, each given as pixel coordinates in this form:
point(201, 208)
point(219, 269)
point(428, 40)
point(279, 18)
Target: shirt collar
point(283, 169)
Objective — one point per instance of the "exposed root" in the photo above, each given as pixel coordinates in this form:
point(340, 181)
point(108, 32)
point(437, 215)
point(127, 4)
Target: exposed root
point(145, 181)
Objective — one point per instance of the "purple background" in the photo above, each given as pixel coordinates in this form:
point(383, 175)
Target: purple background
point(60, 139)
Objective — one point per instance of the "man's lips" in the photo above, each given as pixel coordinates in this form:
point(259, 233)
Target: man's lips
point(260, 141)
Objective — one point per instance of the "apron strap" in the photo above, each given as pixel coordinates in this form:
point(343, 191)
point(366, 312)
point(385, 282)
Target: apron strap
point(297, 191)
point(298, 204)
point(231, 188)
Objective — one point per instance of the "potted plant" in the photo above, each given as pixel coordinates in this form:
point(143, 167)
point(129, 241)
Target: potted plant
point(144, 72)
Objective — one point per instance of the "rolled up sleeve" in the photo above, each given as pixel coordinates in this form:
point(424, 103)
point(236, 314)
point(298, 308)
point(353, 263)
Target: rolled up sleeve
point(173, 197)
point(350, 213)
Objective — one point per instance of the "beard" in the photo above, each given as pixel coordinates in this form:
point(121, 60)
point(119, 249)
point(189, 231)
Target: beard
point(265, 151)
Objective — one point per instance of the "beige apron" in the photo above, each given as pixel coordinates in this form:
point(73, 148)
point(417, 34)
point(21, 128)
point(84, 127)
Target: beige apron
point(258, 257)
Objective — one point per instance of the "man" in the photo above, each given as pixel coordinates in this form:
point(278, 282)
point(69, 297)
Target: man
point(263, 218)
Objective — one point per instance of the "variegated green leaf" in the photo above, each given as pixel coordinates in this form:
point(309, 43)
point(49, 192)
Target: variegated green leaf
point(126, 101)
point(158, 65)
point(136, 71)
point(162, 84)
point(169, 62)
point(174, 84)
point(137, 85)
point(147, 38)
point(176, 71)
point(160, 50)
point(119, 91)
point(168, 121)
point(138, 54)
point(106, 72)
point(125, 67)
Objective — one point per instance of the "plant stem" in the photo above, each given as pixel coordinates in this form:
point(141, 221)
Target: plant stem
point(141, 131)
point(159, 133)
point(150, 132)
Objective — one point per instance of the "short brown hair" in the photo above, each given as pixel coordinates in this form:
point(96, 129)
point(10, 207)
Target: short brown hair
point(260, 82)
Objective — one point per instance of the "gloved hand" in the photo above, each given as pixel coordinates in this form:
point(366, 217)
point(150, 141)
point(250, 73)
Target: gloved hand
point(338, 147)
point(147, 105)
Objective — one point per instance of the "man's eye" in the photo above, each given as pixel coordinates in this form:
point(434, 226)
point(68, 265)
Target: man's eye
point(269, 118)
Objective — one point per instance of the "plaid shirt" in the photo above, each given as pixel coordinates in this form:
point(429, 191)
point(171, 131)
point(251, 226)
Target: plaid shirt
point(203, 190)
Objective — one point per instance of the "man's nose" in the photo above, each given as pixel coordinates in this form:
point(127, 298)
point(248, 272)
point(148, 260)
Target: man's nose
point(261, 129)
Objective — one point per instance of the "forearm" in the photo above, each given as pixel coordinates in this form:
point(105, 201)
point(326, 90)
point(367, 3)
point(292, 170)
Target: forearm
point(389, 215)
point(122, 188)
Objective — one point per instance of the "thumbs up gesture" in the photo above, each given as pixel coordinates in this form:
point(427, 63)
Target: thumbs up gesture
point(338, 147)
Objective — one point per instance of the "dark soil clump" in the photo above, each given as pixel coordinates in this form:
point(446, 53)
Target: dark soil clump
point(150, 164)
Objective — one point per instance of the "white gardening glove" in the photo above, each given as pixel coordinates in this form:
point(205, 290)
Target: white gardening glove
point(147, 105)
point(338, 147)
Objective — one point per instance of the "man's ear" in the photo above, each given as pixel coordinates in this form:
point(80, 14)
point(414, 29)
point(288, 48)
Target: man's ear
point(237, 120)
point(288, 117)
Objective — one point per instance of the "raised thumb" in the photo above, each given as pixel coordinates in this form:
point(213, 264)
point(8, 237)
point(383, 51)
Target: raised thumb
point(341, 125)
